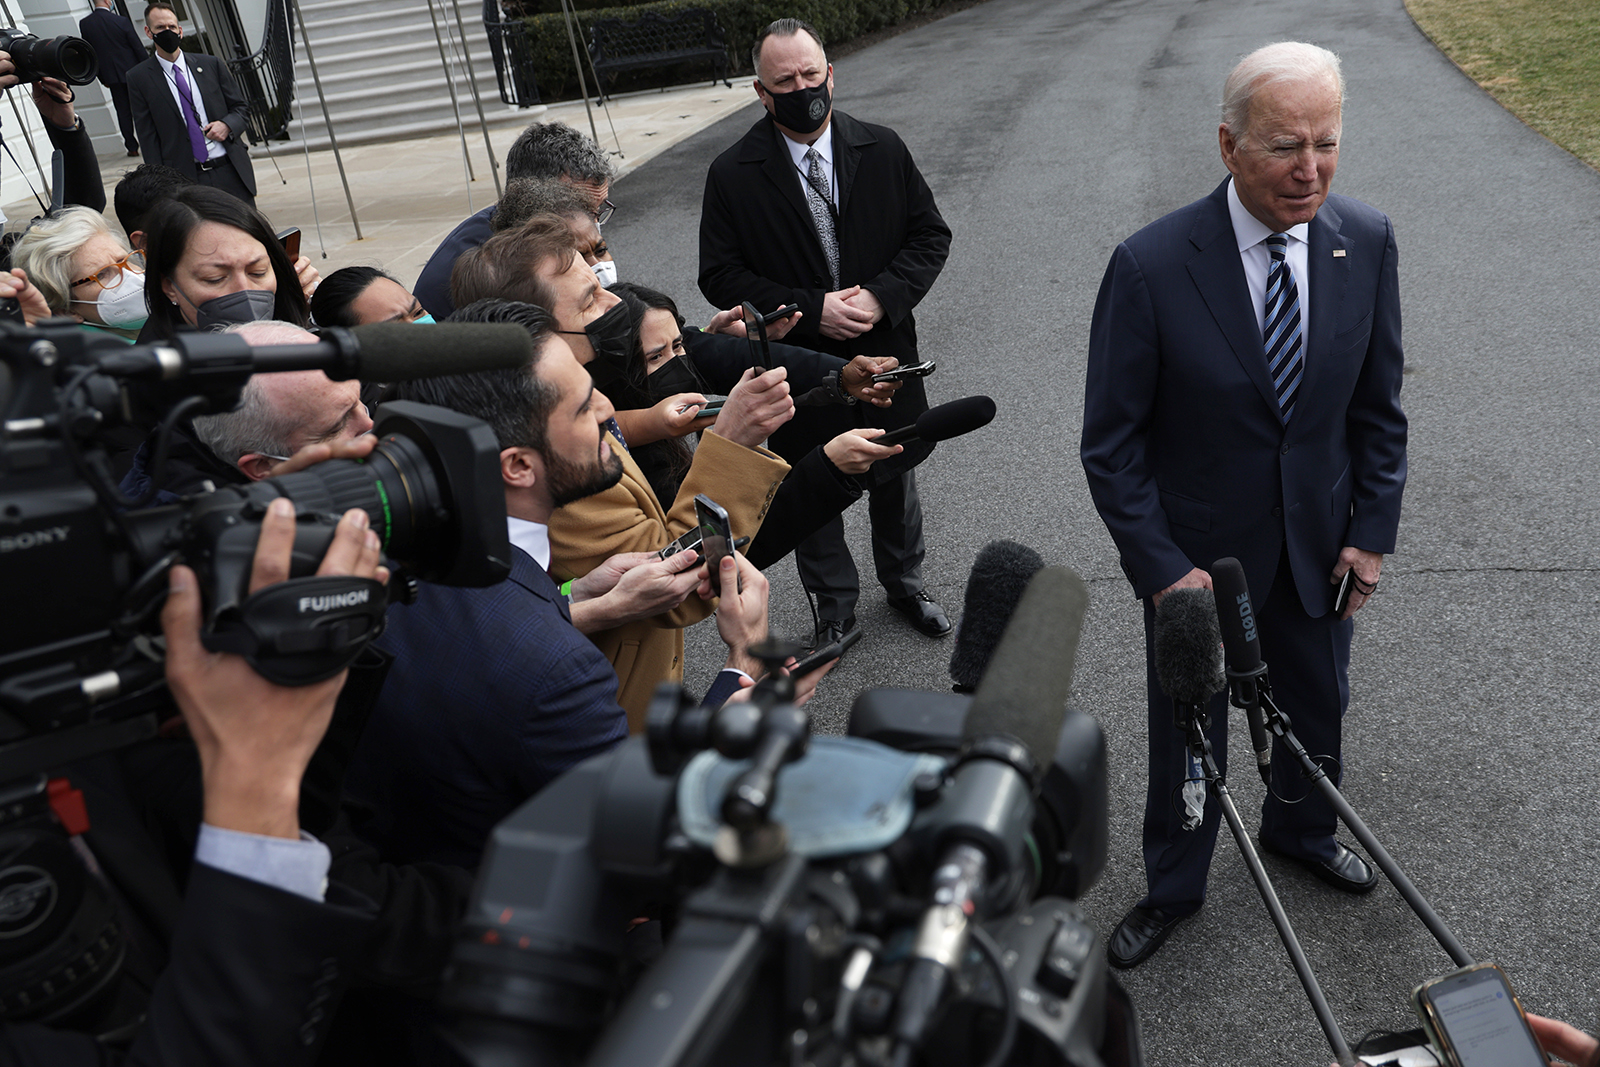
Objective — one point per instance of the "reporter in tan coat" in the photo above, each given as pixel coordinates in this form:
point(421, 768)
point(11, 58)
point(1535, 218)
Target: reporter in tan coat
point(628, 518)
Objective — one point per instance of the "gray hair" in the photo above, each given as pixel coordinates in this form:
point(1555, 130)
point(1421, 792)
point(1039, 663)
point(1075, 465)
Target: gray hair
point(784, 28)
point(253, 426)
point(556, 150)
point(527, 197)
point(45, 252)
point(1274, 64)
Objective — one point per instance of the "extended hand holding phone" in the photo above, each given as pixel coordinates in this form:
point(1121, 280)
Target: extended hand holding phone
point(716, 539)
point(690, 540)
point(914, 370)
point(1473, 1019)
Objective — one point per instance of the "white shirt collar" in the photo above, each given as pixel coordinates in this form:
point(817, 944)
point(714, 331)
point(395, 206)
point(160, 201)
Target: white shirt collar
point(824, 147)
point(1251, 231)
point(532, 537)
point(168, 64)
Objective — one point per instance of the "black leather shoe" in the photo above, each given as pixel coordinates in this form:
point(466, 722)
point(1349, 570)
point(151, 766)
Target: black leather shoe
point(1346, 871)
point(829, 631)
point(1138, 935)
point(921, 611)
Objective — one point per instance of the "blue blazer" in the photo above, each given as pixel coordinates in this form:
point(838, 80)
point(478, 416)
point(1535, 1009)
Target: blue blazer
point(1187, 456)
point(492, 694)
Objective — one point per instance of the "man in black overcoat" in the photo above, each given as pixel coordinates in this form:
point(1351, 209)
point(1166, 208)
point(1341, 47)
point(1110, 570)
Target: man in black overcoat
point(812, 207)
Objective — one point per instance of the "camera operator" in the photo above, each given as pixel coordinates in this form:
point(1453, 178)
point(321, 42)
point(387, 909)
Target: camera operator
point(493, 691)
point(258, 955)
point(81, 183)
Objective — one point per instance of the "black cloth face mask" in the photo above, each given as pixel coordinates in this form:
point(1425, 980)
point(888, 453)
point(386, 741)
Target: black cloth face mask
point(803, 110)
point(167, 41)
point(675, 376)
point(611, 337)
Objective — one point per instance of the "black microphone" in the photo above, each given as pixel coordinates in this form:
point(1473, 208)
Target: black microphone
point(999, 575)
point(982, 821)
point(944, 422)
point(1247, 675)
point(380, 352)
point(1188, 648)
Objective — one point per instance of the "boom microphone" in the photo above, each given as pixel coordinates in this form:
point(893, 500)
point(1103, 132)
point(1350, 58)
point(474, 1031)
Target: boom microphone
point(1247, 675)
point(380, 352)
point(1188, 647)
point(999, 576)
point(943, 422)
point(984, 815)
point(1023, 694)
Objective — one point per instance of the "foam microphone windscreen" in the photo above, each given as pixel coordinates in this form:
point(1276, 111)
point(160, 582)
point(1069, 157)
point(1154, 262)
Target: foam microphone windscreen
point(999, 575)
point(944, 422)
point(1188, 646)
point(1024, 692)
point(400, 351)
point(1240, 638)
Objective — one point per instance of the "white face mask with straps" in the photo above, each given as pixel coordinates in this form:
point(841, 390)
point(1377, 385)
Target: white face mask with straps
point(123, 306)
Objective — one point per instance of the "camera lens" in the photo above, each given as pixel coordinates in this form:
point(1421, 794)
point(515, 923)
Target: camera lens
point(70, 59)
point(74, 60)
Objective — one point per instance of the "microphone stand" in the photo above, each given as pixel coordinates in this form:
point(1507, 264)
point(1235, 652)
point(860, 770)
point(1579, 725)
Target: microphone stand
point(1194, 721)
point(1278, 724)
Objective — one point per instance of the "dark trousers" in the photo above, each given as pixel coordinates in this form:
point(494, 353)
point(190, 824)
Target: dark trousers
point(827, 569)
point(119, 101)
point(1308, 663)
point(227, 179)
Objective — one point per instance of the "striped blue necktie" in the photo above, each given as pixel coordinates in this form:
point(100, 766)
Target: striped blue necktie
point(1280, 331)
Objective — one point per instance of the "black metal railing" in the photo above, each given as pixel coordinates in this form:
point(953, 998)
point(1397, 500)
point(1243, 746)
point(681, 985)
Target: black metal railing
point(513, 60)
point(266, 76)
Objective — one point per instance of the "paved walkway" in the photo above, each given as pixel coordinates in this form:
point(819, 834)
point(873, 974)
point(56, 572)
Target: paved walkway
point(410, 194)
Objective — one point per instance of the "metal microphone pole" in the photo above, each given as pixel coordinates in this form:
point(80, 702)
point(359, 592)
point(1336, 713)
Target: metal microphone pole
point(1278, 724)
point(1194, 716)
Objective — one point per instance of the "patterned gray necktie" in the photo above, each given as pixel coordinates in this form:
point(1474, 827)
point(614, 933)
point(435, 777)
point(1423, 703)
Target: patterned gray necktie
point(819, 197)
point(1280, 330)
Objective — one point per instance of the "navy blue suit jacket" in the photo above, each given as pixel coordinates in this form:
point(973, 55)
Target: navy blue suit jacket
point(1187, 456)
point(492, 694)
point(433, 284)
point(115, 44)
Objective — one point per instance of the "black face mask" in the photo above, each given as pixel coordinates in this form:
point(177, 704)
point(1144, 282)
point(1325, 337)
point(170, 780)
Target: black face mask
point(673, 377)
point(167, 41)
point(247, 305)
point(611, 337)
point(803, 110)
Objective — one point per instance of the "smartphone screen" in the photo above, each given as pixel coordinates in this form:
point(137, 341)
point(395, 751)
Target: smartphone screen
point(1478, 1020)
point(716, 538)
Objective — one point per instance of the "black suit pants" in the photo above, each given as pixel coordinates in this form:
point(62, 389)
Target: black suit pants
point(119, 101)
point(829, 572)
point(226, 178)
point(1309, 663)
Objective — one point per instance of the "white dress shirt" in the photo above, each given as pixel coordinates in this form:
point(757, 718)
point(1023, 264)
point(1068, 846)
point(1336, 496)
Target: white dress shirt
point(214, 149)
point(532, 538)
point(1252, 234)
point(824, 147)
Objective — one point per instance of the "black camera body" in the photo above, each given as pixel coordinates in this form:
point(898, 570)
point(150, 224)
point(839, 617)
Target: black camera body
point(767, 950)
point(86, 572)
point(70, 59)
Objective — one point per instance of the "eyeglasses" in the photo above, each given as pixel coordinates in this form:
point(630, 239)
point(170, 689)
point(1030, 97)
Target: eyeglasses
point(110, 276)
point(606, 208)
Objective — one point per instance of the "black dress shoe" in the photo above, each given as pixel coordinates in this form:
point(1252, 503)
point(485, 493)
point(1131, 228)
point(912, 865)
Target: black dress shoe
point(1138, 935)
point(1346, 871)
point(920, 610)
point(829, 631)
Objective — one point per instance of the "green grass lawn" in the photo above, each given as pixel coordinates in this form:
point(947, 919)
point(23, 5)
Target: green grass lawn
point(1539, 58)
